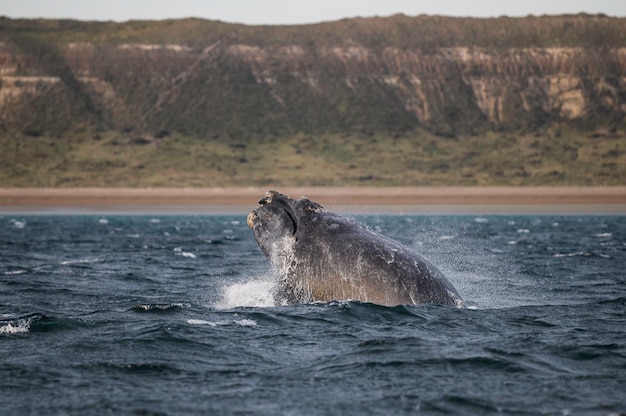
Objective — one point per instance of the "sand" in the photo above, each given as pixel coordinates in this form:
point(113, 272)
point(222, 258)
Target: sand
point(352, 199)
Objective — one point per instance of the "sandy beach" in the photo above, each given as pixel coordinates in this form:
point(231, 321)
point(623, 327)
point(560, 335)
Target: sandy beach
point(353, 199)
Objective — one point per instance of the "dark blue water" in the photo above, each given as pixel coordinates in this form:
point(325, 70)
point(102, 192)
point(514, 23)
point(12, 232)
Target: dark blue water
point(173, 315)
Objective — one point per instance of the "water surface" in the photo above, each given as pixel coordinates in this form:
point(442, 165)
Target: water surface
point(174, 315)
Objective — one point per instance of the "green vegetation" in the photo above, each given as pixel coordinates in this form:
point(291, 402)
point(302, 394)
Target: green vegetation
point(416, 159)
point(421, 32)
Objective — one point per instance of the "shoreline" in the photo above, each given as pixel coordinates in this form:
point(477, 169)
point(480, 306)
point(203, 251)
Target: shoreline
point(444, 200)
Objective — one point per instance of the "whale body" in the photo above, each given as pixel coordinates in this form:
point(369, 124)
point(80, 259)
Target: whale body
point(322, 256)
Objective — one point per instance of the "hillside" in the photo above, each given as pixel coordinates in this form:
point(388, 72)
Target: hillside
point(387, 101)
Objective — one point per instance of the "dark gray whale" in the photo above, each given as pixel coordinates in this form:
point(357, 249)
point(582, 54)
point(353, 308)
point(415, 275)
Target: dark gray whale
point(322, 256)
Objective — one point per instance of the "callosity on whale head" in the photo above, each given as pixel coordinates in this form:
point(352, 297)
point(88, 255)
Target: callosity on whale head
point(322, 256)
point(277, 218)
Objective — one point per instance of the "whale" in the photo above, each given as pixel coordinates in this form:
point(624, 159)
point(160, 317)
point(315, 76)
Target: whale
point(321, 256)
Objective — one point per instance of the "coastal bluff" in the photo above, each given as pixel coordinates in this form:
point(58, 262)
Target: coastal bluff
point(452, 76)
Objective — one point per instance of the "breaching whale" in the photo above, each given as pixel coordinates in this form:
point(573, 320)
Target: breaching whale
point(322, 256)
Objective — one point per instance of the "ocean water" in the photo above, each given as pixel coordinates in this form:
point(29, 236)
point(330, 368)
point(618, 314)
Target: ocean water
point(173, 315)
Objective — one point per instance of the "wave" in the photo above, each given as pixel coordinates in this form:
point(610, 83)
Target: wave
point(581, 254)
point(17, 270)
point(146, 368)
point(159, 307)
point(603, 235)
point(19, 324)
point(18, 224)
point(240, 322)
point(80, 261)
point(179, 252)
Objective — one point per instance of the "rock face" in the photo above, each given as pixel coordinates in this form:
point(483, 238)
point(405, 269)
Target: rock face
point(452, 76)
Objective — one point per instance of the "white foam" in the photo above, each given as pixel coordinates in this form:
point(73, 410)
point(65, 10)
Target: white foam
point(240, 322)
point(179, 252)
point(246, 322)
point(160, 306)
point(15, 272)
point(200, 322)
point(80, 261)
point(254, 293)
point(103, 221)
point(17, 329)
point(19, 224)
point(576, 254)
point(17, 326)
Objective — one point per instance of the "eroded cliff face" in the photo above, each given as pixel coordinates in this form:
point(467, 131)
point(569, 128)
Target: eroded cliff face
point(562, 82)
point(227, 87)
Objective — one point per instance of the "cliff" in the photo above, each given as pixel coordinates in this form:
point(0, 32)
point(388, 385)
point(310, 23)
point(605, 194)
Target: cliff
point(423, 100)
point(450, 76)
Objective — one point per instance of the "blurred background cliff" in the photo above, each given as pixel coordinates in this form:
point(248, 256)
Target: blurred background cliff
point(398, 100)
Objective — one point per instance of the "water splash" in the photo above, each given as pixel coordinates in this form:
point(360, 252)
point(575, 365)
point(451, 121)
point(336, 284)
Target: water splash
point(18, 224)
point(254, 293)
point(284, 264)
point(282, 256)
point(19, 325)
point(260, 291)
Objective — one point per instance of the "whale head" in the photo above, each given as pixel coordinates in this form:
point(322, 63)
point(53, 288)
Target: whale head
point(273, 221)
point(279, 217)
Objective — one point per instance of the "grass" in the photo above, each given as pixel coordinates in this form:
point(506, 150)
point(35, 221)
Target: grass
point(416, 159)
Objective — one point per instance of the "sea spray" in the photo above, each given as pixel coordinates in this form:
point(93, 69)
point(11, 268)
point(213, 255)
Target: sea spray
point(258, 292)
point(264, 291)
point(19, 324)
point(288, 288)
